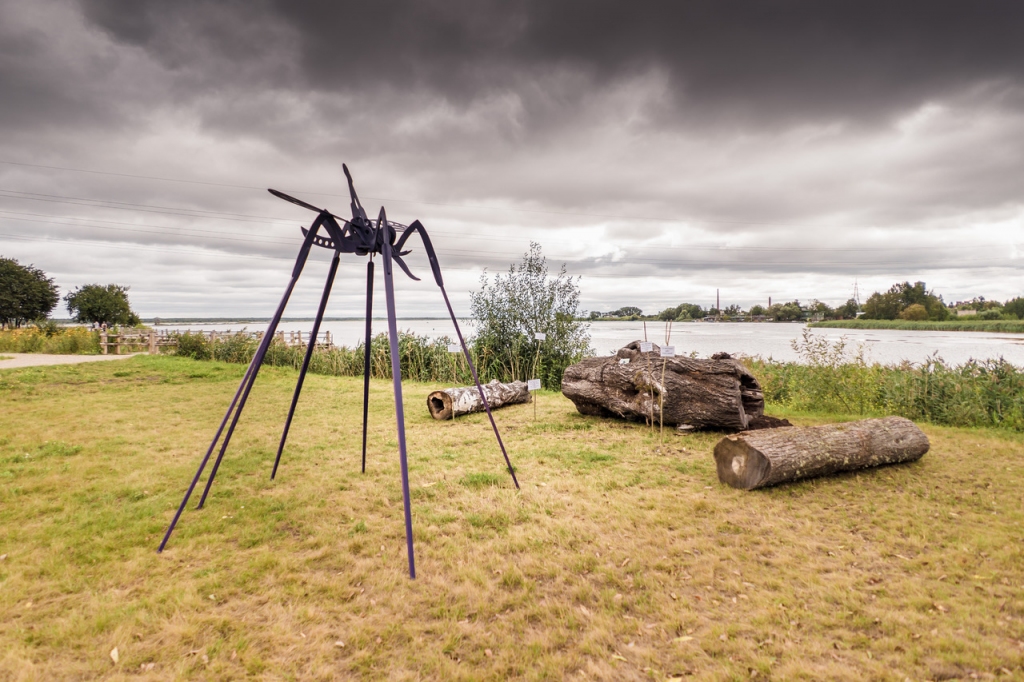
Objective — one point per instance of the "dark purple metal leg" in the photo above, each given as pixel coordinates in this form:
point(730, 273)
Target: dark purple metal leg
point(396, 375)
point(261, 352)
point(202, 465)
point(309, 356)
point(366, 353)
point(465, 351)
point(243, 387)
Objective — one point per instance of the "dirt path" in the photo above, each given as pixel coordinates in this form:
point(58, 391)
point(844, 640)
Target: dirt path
point(35, 359)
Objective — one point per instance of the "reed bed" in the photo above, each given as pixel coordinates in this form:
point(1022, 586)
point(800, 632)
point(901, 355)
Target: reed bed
point(50, 339)
point(836, 378)
point(422, 359)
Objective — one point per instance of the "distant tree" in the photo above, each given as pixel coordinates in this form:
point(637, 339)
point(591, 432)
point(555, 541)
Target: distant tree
point(103, 304)
point(1015, 307)
point(882, 306)
point(732, 311)
point(786, 312)
point(848, 310)
point(756, 310)
point(889, 305)
point(689, 311)
point(713, 312)
point(594, 315)
point(26, 293)
point(823, 309)
point(626, 311)
point(669, 313)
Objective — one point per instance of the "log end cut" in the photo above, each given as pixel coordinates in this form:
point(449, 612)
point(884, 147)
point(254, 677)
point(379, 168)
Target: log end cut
point(440, 405)
point(740, 465)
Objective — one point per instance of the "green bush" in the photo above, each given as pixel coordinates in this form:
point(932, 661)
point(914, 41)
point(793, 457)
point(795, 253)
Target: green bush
point(193, 345)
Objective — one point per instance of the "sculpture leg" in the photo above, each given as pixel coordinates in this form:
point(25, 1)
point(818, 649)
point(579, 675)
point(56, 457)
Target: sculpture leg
point(305, 360)
point(366, 353)
point(243, 387)
point(261, 352)
point(396, 375)
point(435, 266)
point(476, 379)
point(202, 465)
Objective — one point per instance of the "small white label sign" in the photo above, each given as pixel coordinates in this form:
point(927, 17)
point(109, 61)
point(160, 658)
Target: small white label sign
point(623, 361)
point(454, 348)
point(533, 385)
point(540, 336)
point(646, 346)
point(668, 351)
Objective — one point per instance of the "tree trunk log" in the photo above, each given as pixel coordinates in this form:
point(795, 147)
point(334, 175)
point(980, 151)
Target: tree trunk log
point(466, 399)
point(756, 459)
point(716, 393)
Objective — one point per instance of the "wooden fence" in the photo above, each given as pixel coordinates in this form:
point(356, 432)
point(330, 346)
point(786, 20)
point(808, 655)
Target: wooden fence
point(113, 341)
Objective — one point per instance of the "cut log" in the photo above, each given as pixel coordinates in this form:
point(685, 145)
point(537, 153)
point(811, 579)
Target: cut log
point(756, 459)
point(718, 393)
point(466, 399)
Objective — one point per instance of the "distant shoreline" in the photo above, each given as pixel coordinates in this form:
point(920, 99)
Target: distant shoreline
point(995, 326)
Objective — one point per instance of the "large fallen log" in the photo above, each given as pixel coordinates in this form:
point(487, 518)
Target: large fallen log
point(756, 459)
point(716, 393)
point(465, 399)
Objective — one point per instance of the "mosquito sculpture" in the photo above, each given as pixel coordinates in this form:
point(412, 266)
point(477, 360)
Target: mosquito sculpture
point(363, 237)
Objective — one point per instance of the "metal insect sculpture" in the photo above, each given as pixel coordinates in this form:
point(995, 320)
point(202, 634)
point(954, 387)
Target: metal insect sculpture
point(363, 237)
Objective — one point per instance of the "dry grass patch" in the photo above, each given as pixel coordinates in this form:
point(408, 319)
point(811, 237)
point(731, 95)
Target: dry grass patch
point(619, 559)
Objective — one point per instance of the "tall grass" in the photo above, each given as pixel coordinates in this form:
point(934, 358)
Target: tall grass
point(50, 339)
point(955, 325)
point(836, 378)
point(421, 358)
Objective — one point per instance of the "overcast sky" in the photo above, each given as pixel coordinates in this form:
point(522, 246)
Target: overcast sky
point(661, 150)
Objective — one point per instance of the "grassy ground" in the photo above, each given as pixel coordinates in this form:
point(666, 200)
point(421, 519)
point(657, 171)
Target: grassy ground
point(954, 325)
point(619, 558)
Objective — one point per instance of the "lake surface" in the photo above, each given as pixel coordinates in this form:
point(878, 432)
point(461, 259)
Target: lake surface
point(886, 346)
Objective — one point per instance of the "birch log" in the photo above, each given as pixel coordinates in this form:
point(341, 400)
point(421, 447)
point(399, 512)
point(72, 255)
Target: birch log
point(717, 393)
point(466, 399)
point(755, 459)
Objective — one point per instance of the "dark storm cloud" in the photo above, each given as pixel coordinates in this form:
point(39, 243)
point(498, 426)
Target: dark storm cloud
point(786, 61)
point(615, 134)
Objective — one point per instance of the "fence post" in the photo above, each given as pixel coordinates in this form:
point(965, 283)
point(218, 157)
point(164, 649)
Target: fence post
point(152, 342)
point(103, 341)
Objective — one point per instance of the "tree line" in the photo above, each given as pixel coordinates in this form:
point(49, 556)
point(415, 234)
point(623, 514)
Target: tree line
point(902, 301)
point(28, 295)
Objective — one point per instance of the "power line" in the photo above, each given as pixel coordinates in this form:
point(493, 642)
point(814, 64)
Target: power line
point(124, 206)
point(415, 201)
point(668, 264)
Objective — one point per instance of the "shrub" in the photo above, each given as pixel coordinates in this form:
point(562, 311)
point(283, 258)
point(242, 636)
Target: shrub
point(193, 345)
point(914, 312)
point(513, 308)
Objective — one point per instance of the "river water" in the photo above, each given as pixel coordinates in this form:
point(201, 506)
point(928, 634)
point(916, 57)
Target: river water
point(768, 340)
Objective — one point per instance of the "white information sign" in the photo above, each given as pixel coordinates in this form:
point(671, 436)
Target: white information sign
point(623, 361)
point(646, 346)
point(540, 336)
point(668, 351)
point(533, 385)
point(454, 348)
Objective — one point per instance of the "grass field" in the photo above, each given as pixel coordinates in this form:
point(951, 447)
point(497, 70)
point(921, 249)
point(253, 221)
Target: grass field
point(620, 558)
point(953, 325)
